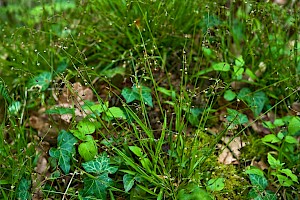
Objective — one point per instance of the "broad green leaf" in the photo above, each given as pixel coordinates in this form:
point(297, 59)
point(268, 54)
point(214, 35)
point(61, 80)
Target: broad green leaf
point(271, 138)
point(256, 194)
point(88, 150)
point(129, 95)
point(81, 136)
point(99, 165)
point(62, 65)
point(86, 127)
point(221, 66)
point(284, 181)
point(291, 140)
point(136, 150)
point(194, 116)
point(193, 192)
point(290, 174)
point(229, 95)
point(259, 181)
point(215, 184)
point(97, 186)
point(116, 112)
point(275, 164)
point(294, 125)
point(65, 150)
point(41, 81)
point(99, 108)
point(60, 111)
point(145, 93)
point(255, 101)
point(23, 188)
point(235, 117)
point(128, 182)
point(254, 170)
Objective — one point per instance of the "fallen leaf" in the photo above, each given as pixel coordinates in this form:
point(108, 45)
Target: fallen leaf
point(230, 155)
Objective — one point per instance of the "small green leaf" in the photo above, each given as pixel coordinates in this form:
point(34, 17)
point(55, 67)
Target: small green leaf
point(62, 65)
point(60, 111)
point(215, 184)
point(221, 66)
point(254, 170)
point(116, 112)
point(65, 150)
point(294, 126)
point(290, 174)
point(136, 150)
point(97, 186)
point(229, 95)
point(41, 81)
point(129, 95)
point(275, 164)
point(88, 150)
point(291, 140)
point(128, 182)
point(22, 191)
point(81, 136)
point(255, 101)
point(193, 192)
point(99, 165)
point(146, 163)
point(271, 138)
point(284, 181)
point(86, 127)
point(235, 117)
point(259, 181)
point(239, 61)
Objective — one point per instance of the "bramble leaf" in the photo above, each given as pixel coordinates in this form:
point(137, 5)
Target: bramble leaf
point(65, 150)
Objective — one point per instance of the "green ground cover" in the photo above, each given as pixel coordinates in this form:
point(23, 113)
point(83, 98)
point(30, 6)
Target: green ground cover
point(178, 99)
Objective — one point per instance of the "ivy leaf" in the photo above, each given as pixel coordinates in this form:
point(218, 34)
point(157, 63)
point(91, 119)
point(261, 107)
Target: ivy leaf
point(259, 181)
point(129, 95)
point(22, 192)
point(99, 165)
point(255, 101)
point(229, 95)
point(235, 117)
point(128, 182)
point(65, 150)
point(137, 93)
point(88, 150)
point(97, 186)
point(41, 81)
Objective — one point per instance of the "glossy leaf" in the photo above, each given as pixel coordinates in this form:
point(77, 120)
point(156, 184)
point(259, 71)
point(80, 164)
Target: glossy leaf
point(23, 188)
point(41, 81)
point(65, 150)
point(99, 165)
point(128, 182)
point(97, 186)
point(88, 150)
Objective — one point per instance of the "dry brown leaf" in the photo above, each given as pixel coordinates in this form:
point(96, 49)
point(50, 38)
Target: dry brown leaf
point(227, 157)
